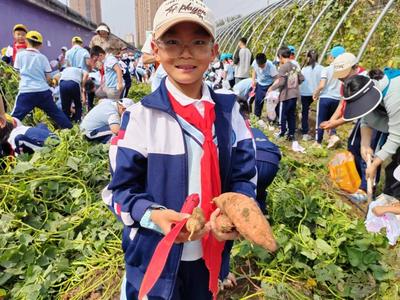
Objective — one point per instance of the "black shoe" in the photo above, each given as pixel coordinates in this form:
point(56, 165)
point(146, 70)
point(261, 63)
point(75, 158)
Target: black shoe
point(290, 138)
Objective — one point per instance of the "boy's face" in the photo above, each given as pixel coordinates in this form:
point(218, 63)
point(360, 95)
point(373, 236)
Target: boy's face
point(19, 36)
point(185, 51)
point(261, 66)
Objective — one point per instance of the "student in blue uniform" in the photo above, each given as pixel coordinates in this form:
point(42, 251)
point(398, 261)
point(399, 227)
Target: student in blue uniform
point(78, 56)
point(104, 120)
point(24, 139)
point(264, 75)
point(268, 157)
point(34, 90)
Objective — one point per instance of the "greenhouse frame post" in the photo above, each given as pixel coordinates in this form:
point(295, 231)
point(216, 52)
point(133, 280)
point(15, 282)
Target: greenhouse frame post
point(226, 30)
point(276, 6)
point(273, 33)
point(373, 28)
point(312, 27)
point(290, 26)
point(268, 10)
point(225, 40)
point(338, 25)
point(275, 12)
point(250, 26)
point(223, 33)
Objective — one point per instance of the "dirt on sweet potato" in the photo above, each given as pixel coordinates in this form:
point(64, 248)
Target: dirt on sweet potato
point(247, 218)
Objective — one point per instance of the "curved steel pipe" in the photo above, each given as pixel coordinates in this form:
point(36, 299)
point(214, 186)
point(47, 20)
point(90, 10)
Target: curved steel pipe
point(273, 12)
point(234, 38)
point(269, 22)
point(332, 36)
point(290, 26)
point(273, 32)
point(312, 27)
point(234, 27)
point(374, 27)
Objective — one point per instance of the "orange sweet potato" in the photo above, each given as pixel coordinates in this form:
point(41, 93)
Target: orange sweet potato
point(248, 219)
point(224, 224)
point(196, 222)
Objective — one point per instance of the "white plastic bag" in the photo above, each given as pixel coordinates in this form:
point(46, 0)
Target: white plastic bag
point(272, 99)
point(389, 221)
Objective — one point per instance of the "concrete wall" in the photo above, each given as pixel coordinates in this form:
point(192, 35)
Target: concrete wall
point(57, 31)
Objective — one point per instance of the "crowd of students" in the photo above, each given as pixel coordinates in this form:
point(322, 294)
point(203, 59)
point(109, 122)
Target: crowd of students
point(65, 88)
point(192, 133)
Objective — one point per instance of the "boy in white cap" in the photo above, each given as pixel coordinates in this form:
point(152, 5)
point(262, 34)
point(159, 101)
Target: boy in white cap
point(182, 139)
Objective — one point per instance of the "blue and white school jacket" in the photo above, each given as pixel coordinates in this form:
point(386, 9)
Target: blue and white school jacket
point(26, 139)
point(149, 167)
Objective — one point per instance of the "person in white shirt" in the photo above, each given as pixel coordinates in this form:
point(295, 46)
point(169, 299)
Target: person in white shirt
point(242, 59)
point(72, 91)
point(312, 76)
point(114, 83)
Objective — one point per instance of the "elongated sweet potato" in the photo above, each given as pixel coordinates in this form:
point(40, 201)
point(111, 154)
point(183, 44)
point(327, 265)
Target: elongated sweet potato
point(196, 222)
point(248, 219)
point(224, 224)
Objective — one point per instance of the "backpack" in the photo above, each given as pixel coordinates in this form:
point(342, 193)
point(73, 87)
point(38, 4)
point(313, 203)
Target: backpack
point(293, 78)
point(390, 73)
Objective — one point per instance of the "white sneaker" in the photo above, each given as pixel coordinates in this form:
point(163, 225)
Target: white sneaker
point(261, 123)
point(333, 140)
point(307, 137)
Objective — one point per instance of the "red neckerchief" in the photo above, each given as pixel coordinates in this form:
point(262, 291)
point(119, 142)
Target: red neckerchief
point(210, 182)
point(16, 48)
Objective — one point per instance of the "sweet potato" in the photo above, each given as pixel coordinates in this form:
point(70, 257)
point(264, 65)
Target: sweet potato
point(224, 224)
point(196, 222)
point(248, 219)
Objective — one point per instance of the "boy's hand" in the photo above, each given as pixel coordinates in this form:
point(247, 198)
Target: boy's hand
point(316, 96)
point(183, 237)
point(365, 152)
point(220, 236)
point(165, 218)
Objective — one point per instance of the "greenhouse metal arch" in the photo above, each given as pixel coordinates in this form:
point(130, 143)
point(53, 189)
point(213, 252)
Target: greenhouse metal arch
point(364, 27)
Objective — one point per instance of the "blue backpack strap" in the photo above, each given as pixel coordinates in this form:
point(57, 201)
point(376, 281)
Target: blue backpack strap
point(390, 74)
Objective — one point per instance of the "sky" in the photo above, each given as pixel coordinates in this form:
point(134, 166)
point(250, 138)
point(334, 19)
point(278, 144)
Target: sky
point(120, 14)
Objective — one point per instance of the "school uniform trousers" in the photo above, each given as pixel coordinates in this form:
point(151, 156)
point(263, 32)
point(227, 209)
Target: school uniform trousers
point(26, 102)
point(261, 91)
point(70, 92)
point(102, 135)
point(354, 146)
point(191, 283)
point(306, 102)
point(128, 84)
point(326, 108)
point(287, 116)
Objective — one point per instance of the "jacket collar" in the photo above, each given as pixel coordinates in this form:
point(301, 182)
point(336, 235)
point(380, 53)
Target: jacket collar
point(159, 100)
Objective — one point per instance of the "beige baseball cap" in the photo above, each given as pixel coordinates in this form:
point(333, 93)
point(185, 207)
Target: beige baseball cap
point(342, 65)
point(172, 12)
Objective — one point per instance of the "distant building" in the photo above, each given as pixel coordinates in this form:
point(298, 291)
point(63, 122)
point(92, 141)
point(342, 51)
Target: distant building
point(90, 9)
point(144, 13)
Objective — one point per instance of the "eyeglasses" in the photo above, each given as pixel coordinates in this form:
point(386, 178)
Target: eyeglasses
point(175, 48)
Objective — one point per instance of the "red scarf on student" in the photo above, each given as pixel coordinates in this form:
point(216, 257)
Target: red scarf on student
point(16, 48)
point(210, 182)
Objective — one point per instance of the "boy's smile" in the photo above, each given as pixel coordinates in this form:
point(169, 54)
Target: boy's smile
point(185, 51)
